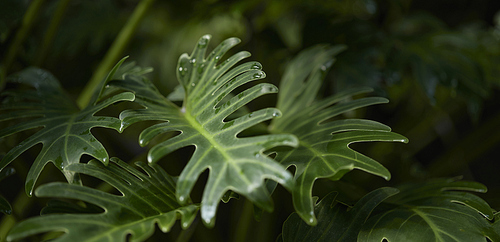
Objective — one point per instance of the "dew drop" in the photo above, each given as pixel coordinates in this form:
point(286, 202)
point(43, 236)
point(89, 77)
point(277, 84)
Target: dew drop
point(276, 114)
point(203, 41)
point(323, 68)
point(250, 115)
point(193, 84)
point(256, 66)
point(107, 86)
point(182, 198)
point(105, 160)
point(192, 61)
point(257, 75)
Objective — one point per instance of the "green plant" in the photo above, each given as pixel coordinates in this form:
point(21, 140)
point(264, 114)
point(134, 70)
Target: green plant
point(244, 155)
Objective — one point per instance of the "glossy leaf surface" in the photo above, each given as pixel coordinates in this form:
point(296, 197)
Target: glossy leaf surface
point(441, 210)
point(65, 133)
point(148, 198)
point(234, 164)
point(336, 221)
point(324, 150)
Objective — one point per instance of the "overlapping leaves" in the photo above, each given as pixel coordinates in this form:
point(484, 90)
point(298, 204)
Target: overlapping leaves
point(336, 221)
point(235, 164)
point(148, 198)
point(65, 133)
point(324, 144)
point(441, 210)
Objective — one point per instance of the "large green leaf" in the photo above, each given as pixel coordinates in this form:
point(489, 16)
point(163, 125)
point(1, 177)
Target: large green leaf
point(147, 199)
point(4, 204)
point(234, 163)
point(438, 210)
point(65, 133)
point(336, 221)
point(324, 144)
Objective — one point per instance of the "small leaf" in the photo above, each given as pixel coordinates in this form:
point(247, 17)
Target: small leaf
point(234, 164)
point(323, 150)
point(148, 198)
point(439, 210)
point(65, 133)
point(336, 221)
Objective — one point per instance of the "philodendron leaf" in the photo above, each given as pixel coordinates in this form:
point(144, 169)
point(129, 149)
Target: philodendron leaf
point(336, 221)
point(4, 204)
point(147, 199)
point(323, 150)
point(234, 163)
point(65, 133)
point(440, 210)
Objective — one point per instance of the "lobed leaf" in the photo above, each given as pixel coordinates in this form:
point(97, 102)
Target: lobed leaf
point(336, 221)
point(234, 164)
point(148, 198)
point(65, 130)
point(323, 150)
point(439, 210)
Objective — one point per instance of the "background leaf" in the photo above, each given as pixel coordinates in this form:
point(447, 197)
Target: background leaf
point(236, 164)
point(148, 198)
point(440, 210)
point(324, 150)
point(4, 204)
point(336, 221)
point(65, 132)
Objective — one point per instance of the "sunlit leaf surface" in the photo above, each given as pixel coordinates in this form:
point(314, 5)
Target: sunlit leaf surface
point(236, 164)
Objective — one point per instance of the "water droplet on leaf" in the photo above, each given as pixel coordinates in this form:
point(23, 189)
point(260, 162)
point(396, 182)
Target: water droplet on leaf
point(256, 66)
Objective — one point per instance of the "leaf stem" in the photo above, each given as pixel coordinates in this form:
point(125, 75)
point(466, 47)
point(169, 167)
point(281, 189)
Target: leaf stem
point(28, 21)
point(244, 222)
point(114, 53)
point(51, 31)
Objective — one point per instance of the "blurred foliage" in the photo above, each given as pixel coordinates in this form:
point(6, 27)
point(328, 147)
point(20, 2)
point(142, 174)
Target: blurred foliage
point(437, 62)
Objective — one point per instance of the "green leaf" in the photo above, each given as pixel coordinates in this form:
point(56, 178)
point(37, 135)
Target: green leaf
point(148, 198)
point(236, 164)
point(336, 221)
point(324, 150)
point(4, 204)
point(440, 210)
point(65, 133)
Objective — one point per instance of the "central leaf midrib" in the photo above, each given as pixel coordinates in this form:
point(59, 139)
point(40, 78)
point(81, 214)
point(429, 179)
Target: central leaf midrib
point(208, 136)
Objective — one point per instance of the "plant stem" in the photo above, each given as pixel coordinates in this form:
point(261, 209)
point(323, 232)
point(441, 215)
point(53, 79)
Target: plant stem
point(51, 31)
point(28, 20)
point(114, 53)
point(186, 234)
point(20, 204)
point(244, 222)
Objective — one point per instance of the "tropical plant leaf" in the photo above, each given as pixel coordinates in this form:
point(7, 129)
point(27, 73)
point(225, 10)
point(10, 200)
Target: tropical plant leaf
point(65, 133)
point(147, 199)
point(336, 221)
point(440, 210)
point(235, 164)
point(4, 204)
point(324, 150)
